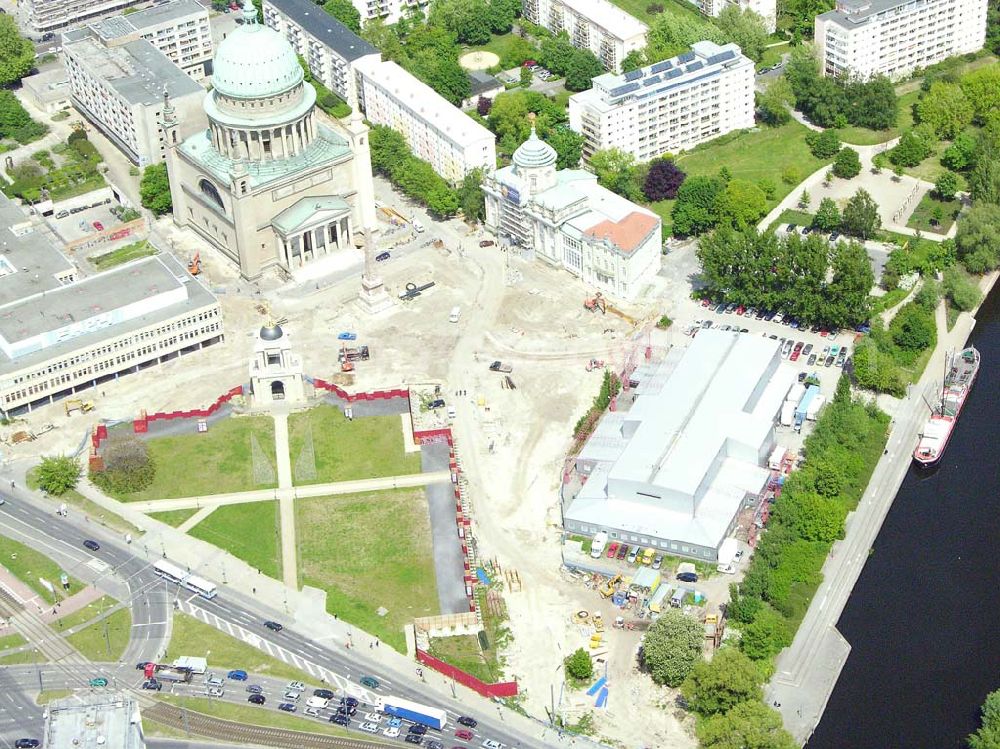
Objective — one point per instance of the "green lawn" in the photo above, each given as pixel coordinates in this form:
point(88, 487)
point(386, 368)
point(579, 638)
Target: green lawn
point(922, 216)
point(676, 8)
point(510, 48)
point(192, 637)
point(931, 168)
point(862, 136)
point(368, 551)
point(772, 55)
point(215, 462)
point(123, 255)
point(463, 651)
point(107, 639)
point(94, 510)
point(44, 698)
point(256, 716)
point(799, 218)
point(12, 641)
point(248, 532)
point(763, 153)
point(364, 448)
point(28, 565)
point(22, 658)
point(88, 612)
point(173, 517)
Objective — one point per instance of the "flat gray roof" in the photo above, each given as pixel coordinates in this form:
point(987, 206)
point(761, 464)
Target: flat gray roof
point(99, 307)
point(116, 26)
point(29, 262)
point(137, 70)
point(850, 13)
point(324, 28)
point(93, 721)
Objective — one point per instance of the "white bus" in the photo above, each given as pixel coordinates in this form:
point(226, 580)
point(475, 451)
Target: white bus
point(176, 574)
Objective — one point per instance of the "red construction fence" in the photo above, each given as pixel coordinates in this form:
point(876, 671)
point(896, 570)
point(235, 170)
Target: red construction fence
point(351, 398)
point(142, 423)
point(501, 689)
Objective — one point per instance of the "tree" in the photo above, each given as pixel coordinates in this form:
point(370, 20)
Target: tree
point(774, 103)
point(977, 241)
point(568, 144)
point(526, 76)
point(671, 35)
point(579, 664)
point(663, 180)
point(945, 109)
point(484, 105)
point(911, 149)
point(847, 299)
point(695, 210)
point(718, 685)
point(982, 90)
point(615, 170)
point(872, 103)
point(471, 197)
point(128, 467)
point(766, 635)
point(154, 189)
point(987, 736)
point(805, 199)
point(57, 474)
point(345, 12)
point(745, 28)
point(827, 216)
point(15, 122)
point(468, 20)
point(672, 647)
point(861, 218)
point(557, 53)
point(946, 186)
point(847, 164)
point(502, 14)
point(742, 203)
point(17, 54)
point(812, 516)
point(912, 328)
point(984, 181)
point(824, 145)
point(749, 725)
point(875, 369)
point(961, 292)
point(961, 154)
point(582, 69)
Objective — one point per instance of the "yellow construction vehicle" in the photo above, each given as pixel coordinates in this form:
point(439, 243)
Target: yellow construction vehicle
point(598, 622)
point(77, 404)
point(608, 589)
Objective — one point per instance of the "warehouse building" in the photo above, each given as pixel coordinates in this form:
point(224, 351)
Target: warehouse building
point(673, 471)
point(60, 334)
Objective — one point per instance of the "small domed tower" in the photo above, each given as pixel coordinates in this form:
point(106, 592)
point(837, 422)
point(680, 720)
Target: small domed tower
point(275, 371)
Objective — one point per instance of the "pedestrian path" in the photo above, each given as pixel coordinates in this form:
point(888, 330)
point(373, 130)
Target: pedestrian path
point(192, 521)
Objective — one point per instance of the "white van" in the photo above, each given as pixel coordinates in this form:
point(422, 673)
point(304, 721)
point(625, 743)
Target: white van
point(598, 544)
point(418, 227)
point(456, 312)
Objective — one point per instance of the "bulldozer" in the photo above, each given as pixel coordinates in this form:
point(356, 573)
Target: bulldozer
point(596, 303)
point(77, 404)
point(608, 589)
point(194, 267)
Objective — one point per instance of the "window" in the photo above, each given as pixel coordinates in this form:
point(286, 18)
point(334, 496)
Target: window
point(212, 193)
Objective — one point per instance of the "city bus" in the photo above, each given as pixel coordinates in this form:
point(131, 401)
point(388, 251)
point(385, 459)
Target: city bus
point(176, 574)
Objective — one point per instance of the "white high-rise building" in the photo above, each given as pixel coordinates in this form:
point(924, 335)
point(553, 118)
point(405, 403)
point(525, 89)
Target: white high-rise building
point(389, 11)
point(766, 9)
point(866, 38)
point(435, 130)
point(41, 18)
point(668, 107)
point(329, 48)
point(598, 25)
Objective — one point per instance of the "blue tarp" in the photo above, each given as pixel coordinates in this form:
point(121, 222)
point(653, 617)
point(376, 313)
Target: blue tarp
point(602, 698)
point(483, 577)
point(597, 686)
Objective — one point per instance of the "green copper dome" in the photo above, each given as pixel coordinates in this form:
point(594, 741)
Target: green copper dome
point(254, 61)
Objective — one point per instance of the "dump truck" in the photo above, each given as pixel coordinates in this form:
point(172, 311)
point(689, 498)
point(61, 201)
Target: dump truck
point(172, 673)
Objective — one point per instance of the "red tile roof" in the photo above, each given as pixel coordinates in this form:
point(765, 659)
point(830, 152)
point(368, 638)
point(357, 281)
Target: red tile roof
point(626, 234)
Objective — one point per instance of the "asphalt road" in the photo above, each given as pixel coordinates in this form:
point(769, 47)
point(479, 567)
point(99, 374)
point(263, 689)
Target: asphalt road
point(128, 577)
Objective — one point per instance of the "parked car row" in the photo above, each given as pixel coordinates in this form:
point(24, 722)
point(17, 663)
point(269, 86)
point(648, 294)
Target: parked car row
point(776, 316)
point(538, 70)
point(635, 555)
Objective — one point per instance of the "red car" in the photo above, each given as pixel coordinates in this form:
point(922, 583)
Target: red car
point(705, 302)
point(796, 351)
point(740, 310)
point(612, 550)
point(464, 734)
point(622, 551)
point(486, 243)
point(99, 226)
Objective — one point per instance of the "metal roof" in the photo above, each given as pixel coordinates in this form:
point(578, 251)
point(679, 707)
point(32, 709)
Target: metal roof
point(324, 27)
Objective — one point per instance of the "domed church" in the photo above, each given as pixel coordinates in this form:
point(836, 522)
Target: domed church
point(267, 183)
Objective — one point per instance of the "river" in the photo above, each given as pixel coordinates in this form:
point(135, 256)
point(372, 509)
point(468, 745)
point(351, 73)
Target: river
point(923, 619)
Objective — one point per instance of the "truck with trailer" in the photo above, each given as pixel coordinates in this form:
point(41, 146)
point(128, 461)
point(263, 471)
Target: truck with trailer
point(432, 717)
point(172, 674)
point(803, 408)
point(192, 663)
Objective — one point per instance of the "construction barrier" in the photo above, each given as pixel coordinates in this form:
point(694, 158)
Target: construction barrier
point(501, 689)
point(142, 423)
point(352, 398)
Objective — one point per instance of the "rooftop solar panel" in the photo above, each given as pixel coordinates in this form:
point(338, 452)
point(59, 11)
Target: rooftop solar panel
point(660, 66)
point(686, 57)
point(633, 75)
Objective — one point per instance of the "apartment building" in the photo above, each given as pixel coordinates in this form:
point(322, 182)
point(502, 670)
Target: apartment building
point(668, 107)
point(330, 49)
point(436, 131)
point(178, 29)
point(121, 90)
point(60, 334)
point(598, 25)
point(766, 9)
point(41, 18)
point(866, 38)
point(389, 11)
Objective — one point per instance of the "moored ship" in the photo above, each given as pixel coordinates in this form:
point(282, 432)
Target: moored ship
point(961, 371)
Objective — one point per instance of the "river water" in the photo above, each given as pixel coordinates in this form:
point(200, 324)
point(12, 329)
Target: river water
point(924, 618)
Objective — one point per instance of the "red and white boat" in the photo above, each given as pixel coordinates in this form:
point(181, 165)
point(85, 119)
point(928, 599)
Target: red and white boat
point(961, 372)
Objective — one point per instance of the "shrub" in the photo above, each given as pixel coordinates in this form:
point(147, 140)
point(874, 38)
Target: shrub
point(57, 474)
point(847, 164)
point(579, 664)
point(128, 468)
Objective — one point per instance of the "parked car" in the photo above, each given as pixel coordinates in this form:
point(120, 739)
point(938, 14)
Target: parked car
point(633, 555)
point(373, 717)
point(612, 549)
point(317, 702)
point(292, 695)
point(326, 694)
point(99, 681)
point(812, 360)
point(464, 734)
point(417, 728)
point(706, 324)
point(622, 553)
point(349, 701)
point(312, 711)
point(273, 626)
point(486, 243)
point(215, 680)
point(99, 226)
point(26, 743)
point(92, 545)
point(369, 727)
point(740, 309)
point(807, 350)
point(802, 376)
point(658, 561)
point(436, 403)
point(215, 691)
point(842, 357)
point(383, 256)
point(687, 577)
point(395, 722)
point(257, 699)
point(390, 732)
point(492, 744)
point(343, 720)
point(415, 739)
point(369, 681)
point(730, 308)
point(346, 335)
point(791, 228)
point(829, 361)
point(468, 722)
point(141, 665)
point(237, 675)
point(152, 684)
point(287, 707)
point(255, 689)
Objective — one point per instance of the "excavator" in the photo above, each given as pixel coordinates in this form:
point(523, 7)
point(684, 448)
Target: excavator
point(194, 267)
point(596, 303)
point(608, 589)
point(75, 404)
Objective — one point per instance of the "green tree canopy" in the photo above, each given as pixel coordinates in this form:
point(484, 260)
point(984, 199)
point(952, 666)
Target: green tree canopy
point(568, 144)
point(720, 684)
point(827, 216)
point(695, 210)
point(17, 54)
point(946, 109)
point(579, 664)
point(977, 240)
point(154, 189)
point(742, 203)
point(557, 53)
point(988, 734)
point(670, 35)
point(982, 90)
point(823, 145)
point(582, 69)
point(749, 725)
point(468, 20)
point(946, 186)
point(615, 170)
point(57, 474)
point(345, 12)
point(766, 635)
point(914, 146)
point(861, 218)
point(672, 646)
point(848, 298)
point(847, 163)
point(812, 517)
point(774, 102)
point(745, 28)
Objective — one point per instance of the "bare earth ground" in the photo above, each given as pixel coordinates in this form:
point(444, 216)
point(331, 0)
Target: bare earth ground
point(540, 327)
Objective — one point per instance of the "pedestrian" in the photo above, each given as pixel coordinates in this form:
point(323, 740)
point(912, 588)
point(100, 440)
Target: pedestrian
point(254, 590)
point(377, 643)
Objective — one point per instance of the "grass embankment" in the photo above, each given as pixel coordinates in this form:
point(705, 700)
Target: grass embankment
point(465, 651)
point(173, 518)
point(105, 640)
point(123, 254)
point(195, 638)
point(95, 511)
point(346, 450)
point(934, 215)
point(369, 551)
point(218, 461)
point(254, 716)
point(248, 532)
point(29, 565)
